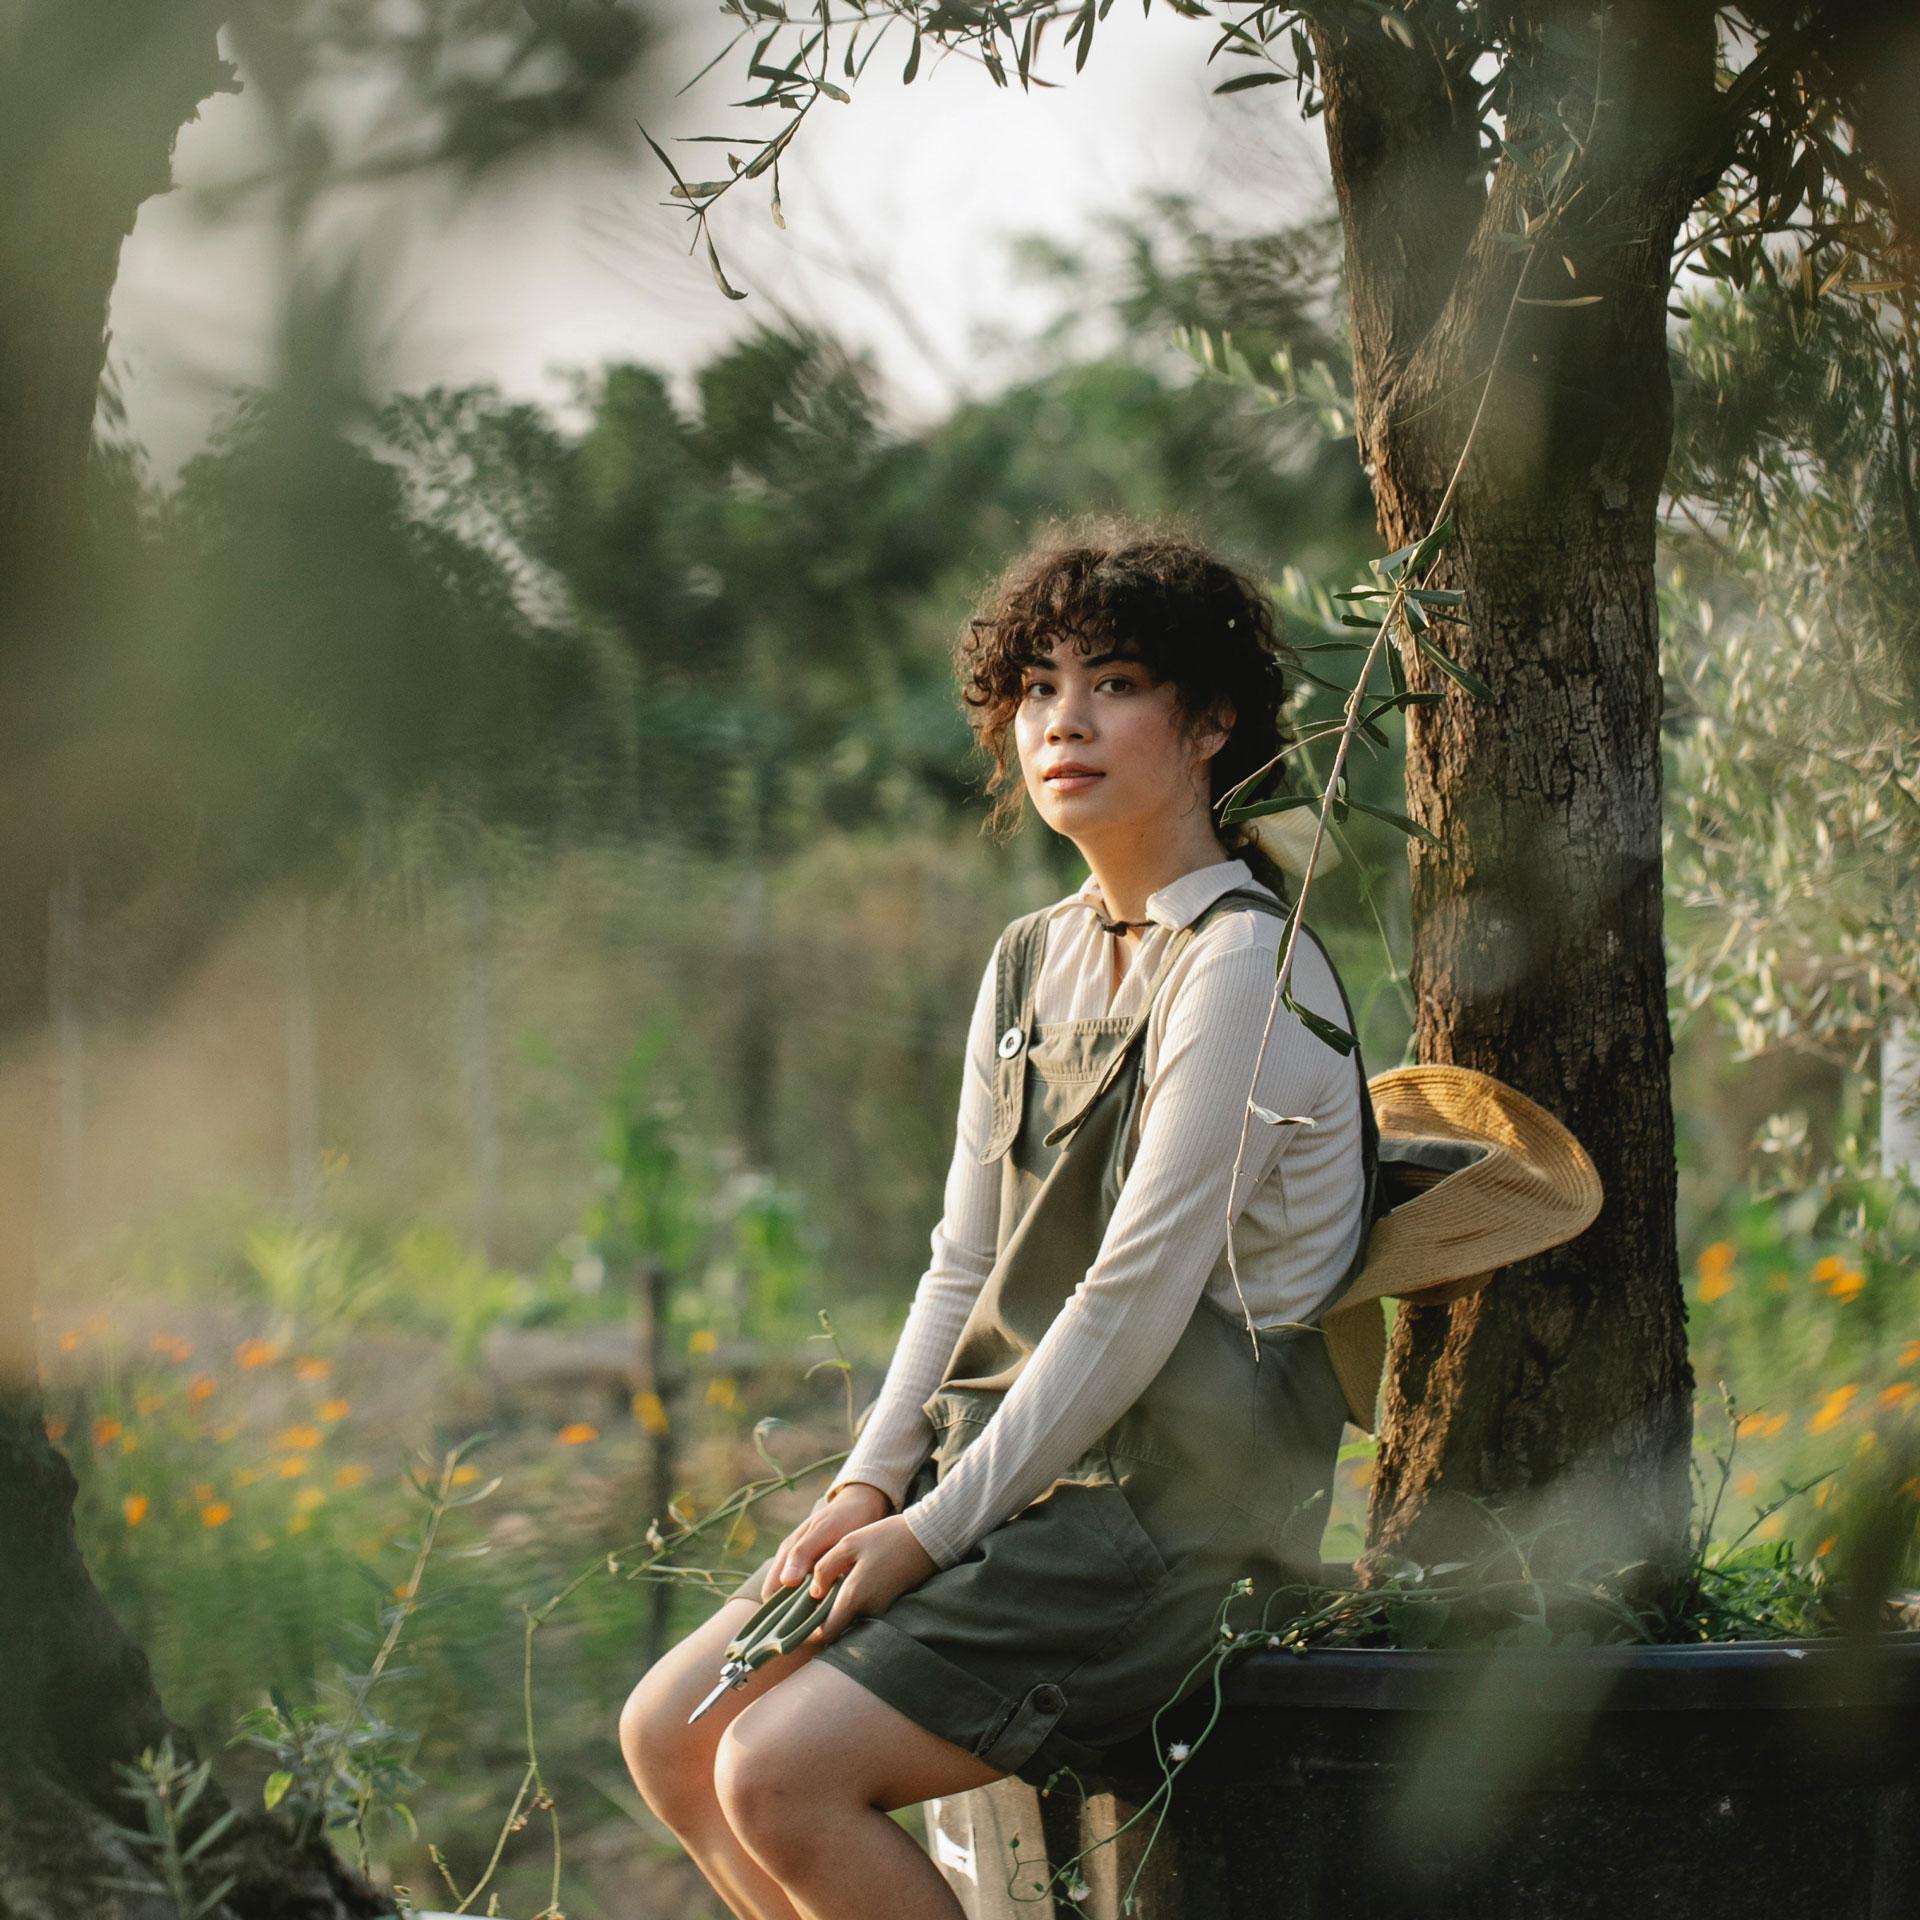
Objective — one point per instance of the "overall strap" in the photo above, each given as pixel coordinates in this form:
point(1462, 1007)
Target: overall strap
point(1016, 971)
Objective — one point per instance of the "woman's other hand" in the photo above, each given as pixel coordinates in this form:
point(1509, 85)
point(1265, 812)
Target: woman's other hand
point(881, 1562)
point(849, 1507)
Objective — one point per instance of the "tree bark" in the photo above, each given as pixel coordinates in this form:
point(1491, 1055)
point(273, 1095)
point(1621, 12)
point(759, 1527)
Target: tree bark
point(1562, 1392)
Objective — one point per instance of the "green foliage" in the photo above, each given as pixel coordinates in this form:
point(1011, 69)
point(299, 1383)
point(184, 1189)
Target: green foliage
point(167, 1789)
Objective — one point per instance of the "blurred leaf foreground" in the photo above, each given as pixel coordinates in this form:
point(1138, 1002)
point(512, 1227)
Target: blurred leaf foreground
point(561, 900)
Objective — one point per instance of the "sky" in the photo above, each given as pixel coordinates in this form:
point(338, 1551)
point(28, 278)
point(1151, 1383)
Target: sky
point(899, 207)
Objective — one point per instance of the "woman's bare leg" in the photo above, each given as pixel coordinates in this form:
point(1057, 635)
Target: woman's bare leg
point(673, 1764)
point(806, 1777)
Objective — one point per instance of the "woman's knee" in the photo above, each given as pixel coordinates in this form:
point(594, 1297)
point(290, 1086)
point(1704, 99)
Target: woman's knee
point(769, 1786)
point(671, 1763)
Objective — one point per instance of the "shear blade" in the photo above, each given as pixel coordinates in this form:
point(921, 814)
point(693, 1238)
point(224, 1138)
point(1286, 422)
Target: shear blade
point(711, 1700)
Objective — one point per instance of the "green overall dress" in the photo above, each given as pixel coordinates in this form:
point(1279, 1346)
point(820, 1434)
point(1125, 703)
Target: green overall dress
point(1061, 1632)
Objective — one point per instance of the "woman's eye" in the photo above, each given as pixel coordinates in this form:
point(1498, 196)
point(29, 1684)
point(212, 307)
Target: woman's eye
point(1117, 681)
point(1034, 687)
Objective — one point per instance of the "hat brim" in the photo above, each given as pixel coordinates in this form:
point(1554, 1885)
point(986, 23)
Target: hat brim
point(1530, 1188)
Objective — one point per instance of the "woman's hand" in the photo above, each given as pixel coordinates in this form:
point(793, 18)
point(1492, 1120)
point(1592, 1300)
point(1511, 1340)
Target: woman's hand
point(881, 1561)
point(851, 1506)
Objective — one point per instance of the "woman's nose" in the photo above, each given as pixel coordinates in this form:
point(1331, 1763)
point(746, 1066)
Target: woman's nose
point(1065, 722)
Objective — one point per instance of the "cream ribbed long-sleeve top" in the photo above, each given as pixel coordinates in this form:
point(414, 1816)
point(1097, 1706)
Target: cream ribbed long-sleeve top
point(1297, 1220)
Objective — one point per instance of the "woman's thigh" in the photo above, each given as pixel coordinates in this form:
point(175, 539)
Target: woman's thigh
point(821, 1737)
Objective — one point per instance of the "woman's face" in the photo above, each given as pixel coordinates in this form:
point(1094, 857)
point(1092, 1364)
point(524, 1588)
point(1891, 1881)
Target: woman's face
point(1103, 747)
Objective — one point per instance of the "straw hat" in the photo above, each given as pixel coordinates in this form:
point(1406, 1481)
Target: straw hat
point(1473, 1176)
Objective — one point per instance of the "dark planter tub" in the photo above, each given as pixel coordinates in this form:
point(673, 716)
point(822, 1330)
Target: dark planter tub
point(1760, 1782)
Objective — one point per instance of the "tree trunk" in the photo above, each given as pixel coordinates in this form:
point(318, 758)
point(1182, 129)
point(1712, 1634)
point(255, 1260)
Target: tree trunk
point(1562, 1392)
point(92, 95)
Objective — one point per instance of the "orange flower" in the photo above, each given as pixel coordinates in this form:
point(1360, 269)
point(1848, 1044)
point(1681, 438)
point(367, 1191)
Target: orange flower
point(1827, 1269)
point(55, 1426)
point(293, 1466)
point(216, 1514)
point(1826, 1546)
point(578, 1434)
point(334, 1409)
point(1716, 1270)
point(1775, 1427)
point(72, 1340)
point(353, 1474)
point(1892, 1396)
point(1832, 1409)
point(1752, 1426)
point(1747, 1486)
point(1910, 1353)
point(651, 1411)
point(1848, 1284)
point(134, 1508)
point(202, 1492)
point(1771, 1527)
point(300, 1439)
point(311, 1367)
point(256, 1353)
point(175, 1349)
point(200, 1388)
point(106, 1430)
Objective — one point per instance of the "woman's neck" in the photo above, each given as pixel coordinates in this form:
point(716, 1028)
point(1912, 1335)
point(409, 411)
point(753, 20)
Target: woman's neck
point(1129, 868)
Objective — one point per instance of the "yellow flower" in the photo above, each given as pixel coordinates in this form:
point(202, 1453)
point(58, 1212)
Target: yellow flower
point(293, 1466)
point(1892, 1396)
point(352, 1474)
point(704, 1341)
point(312, 1368)
point(465, 1474)
point(1771, 1527)
point(106, 1430)
point(1716, 1270)
point(216, 1514)
point(721, 1391)
point(1752, 1427)
point(129, 1442)
point(1826, 1270)
point(334, 1409)
point(577, 1434)
point(1832, 1409)
point(134, 1507)
point(301, 1439)
point(650, 1410)
point(246, 1476)
point(307, 1499)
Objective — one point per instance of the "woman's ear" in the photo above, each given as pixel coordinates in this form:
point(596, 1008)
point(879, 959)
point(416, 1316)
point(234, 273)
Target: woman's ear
point(1215, 730)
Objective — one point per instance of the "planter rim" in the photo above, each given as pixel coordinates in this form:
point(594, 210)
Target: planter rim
point(1726, 1676)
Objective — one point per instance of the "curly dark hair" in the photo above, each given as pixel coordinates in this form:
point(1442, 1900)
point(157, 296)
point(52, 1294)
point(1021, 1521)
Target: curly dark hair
point(1156, 596)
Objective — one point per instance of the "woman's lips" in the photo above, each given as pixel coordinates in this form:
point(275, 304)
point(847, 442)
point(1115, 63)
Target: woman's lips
point(1070, 779)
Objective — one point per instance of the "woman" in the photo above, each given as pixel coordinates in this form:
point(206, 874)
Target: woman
point(1083, 1442)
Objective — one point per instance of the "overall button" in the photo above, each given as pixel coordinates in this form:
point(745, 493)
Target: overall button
point(1048, 1700)
point(1011, 1042)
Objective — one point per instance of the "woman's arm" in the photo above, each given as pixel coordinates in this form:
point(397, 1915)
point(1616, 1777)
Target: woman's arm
point(897, 1438)
point(1167, 1230)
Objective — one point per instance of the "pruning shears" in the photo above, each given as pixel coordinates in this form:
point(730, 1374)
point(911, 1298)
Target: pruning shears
point(783, 1625)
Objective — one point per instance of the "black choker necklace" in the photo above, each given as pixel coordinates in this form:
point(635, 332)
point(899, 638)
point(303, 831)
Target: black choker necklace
point(1119, 927)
